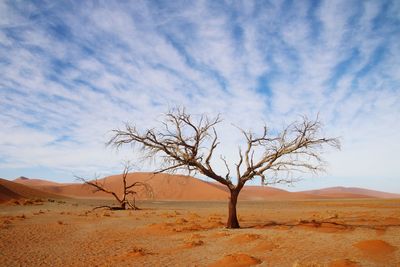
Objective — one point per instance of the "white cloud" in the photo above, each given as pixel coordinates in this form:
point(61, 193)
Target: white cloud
point(133, 62)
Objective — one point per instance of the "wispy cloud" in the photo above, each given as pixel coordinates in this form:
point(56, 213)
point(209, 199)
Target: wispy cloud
point(71, 71)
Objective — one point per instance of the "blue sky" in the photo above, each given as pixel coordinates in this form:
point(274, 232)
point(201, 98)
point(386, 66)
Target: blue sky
point(70, 71)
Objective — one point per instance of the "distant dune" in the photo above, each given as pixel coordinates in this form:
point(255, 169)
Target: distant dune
point(252, 192)
point(181, 187)
point(350, 192)
point(11, 190)
point(265, 192)
point(36, 182)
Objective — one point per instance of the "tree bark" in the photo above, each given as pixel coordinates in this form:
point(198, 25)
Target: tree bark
point(232, 216)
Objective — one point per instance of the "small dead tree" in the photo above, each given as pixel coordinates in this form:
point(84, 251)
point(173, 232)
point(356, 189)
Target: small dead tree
point(128, 190)
point(189, 144)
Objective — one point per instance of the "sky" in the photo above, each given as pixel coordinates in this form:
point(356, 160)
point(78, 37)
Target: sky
point(71, 71)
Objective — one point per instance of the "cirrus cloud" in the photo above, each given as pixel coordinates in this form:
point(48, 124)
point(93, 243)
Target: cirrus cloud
point(72, 71)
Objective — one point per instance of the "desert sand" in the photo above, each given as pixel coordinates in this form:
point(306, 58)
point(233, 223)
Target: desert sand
point(39, 230)
point(171, 233)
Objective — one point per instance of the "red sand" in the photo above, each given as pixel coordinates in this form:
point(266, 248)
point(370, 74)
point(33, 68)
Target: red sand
point(180, 187)
point(179, 233)
point(164, 186)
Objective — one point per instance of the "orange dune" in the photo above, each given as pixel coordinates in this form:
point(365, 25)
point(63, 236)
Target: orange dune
point(10, 190)
point(181, 187)
point(164, 187)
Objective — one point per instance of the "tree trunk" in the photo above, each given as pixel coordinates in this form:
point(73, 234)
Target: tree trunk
point(232, 217)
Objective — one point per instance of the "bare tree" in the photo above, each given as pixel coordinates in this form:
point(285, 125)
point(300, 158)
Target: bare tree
point(189, 144)
point(128, 190)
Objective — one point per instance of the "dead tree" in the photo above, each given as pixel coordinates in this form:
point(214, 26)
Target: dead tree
point(128, 190)
point(184, 142)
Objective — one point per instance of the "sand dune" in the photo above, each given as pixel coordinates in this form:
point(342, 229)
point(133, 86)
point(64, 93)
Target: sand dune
point(252, 192)
point(350, 192)
point(265, 192)
point(173, 187)
point(36, 182)
point(10, 190)
point(6, 194)
point(181, 187)
point(164, 187)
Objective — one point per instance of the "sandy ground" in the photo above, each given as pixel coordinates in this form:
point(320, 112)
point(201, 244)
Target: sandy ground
point(274, 233)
